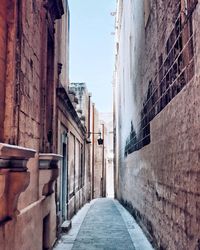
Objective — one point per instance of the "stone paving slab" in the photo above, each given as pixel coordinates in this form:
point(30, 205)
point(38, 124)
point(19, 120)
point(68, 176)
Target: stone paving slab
point(103, 228)
point(104, 224)
point(139, 239)
point(67, 240)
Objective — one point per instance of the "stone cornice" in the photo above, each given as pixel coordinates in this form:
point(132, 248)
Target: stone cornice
point(8, 151)
point(62, 94)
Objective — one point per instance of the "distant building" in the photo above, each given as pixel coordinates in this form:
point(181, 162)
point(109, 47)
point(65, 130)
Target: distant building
point(82, 95)
point(107, 120)
point(73, 186)
point(98, 153)
point(83, 109)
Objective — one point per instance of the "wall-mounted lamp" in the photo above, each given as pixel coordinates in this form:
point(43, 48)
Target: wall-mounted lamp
point(99, 140)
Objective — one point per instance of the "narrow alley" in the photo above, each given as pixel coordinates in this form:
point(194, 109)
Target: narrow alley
point(99, 124)
point(104, 224)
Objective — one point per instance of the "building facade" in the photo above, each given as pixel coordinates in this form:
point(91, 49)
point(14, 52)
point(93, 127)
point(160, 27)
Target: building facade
point(156, 118)
point(107, 120)
point(83, 109)
point(72, 145)
point(29, 158)
point(97, 153)
point(73, 187)
point(42, 138)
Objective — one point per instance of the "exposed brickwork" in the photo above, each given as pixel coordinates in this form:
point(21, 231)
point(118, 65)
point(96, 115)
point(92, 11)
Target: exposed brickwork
point(28, 74)
point(3, 38)
point(175, 70)
point(160, 182)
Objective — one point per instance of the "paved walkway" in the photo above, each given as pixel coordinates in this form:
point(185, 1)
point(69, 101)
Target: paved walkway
point(104, 225)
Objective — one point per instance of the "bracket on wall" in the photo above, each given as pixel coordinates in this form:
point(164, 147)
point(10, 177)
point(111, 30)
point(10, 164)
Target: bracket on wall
point(48, 165)
point(14, 178)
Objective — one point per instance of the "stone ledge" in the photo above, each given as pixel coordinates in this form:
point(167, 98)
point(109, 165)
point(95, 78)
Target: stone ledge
point(8, 151)
point(48, 160)
point(66, 226)
point(14, 178)
point(48, 165)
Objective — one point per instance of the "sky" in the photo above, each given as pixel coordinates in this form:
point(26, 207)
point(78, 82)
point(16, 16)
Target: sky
point(92, 48)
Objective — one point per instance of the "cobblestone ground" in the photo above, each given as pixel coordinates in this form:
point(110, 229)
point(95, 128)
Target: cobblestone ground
point(105, 225)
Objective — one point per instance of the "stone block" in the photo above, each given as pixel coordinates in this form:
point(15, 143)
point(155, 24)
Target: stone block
point(66, 226)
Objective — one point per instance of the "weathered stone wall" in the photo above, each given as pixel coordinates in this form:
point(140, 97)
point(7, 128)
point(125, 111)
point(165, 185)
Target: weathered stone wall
point(3, 32)
point(76, 188)
point(29, 73)
point(159, 180)
point(23, 63)
point(28, 77)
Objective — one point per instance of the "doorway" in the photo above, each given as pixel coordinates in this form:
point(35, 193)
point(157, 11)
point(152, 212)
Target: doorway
point(45, 234)
point(64, 178)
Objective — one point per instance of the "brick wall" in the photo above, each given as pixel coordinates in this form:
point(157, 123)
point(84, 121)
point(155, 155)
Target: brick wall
point(29, 74)
point(3, 38)
point(27, 89)
point(159, 180)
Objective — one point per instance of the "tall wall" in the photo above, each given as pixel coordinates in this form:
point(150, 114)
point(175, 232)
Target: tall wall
point(23, 65)
point(72, 192)
point(157, 118)
point(3, 32)
point(29, 77)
